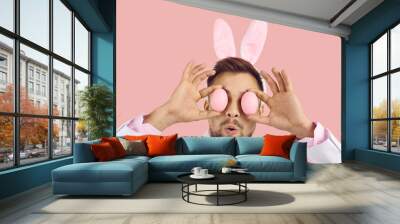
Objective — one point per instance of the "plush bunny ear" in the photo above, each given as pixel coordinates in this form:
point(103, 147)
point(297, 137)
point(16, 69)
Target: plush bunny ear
point(253, 41)
point(224, 45)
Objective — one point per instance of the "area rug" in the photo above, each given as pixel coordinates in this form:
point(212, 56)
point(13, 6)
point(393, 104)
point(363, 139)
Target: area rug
point(167, 198)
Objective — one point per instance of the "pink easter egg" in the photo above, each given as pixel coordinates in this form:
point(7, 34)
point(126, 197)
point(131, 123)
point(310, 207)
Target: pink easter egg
point(249, 103)
point(218, 100)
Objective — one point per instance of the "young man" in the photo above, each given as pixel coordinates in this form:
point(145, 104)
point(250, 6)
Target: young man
point(237, 76)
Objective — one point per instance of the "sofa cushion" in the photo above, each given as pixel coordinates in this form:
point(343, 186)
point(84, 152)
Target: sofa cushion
point(83, 152)
point(159, 145)
point(249, 145)
point(207, 145)
point(277, 145)
point(116, 145)
point(257, 163)
point(134, 147)
point(103, 152)
point(112, 171)
point(185, 163)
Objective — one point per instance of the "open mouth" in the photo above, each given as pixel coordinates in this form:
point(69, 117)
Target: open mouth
point(231, 130)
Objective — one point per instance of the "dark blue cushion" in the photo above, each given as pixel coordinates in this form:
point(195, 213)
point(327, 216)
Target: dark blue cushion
point(257, 163)
point(185, 163)
point(83, 153)
point(249, 145)
point(207, 145)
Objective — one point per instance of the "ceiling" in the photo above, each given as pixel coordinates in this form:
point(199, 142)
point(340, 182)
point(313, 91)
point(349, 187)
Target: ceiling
point(327, 16)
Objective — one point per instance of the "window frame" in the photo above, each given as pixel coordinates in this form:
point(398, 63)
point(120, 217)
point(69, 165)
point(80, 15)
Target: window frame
point(16, 115)
point(388, 74)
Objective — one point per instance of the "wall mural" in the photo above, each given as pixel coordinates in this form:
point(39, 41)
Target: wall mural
point(179, 71)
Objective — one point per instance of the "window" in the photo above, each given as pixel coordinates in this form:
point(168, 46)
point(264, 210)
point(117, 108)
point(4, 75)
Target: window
point(3, 72)
point(395, 47)
point(62, 138)
point(44, 91)
point(385, 91)
point(62, 30)
point(7, 14)
point(30, 72)
point(47, 74)
point(33, 149)
point(37, 89)
point(81, 81)
point(6, 142)
point(62, 74)
point(35, 21)
point(3, 61)
point(30, 87)
point(38, 74)
point(6, 73)
point(55, 102)
point(81, 45)
point(3, 78)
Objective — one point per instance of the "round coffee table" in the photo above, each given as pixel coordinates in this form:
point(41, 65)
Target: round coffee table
point(238, 179)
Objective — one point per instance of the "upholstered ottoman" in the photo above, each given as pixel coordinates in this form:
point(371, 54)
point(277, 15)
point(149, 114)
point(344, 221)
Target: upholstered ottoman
point(119, 177)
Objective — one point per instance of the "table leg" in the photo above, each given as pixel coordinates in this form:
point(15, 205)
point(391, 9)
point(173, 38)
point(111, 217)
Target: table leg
point(196, 187)
point(217, 194)
point(188, 190)
point(245, 193)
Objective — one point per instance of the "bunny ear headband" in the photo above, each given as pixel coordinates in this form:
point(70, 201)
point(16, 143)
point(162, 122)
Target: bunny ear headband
point(252, 43)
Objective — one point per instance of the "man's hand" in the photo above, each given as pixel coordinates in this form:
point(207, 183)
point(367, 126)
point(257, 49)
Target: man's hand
point(285, 109)
point(182, 105)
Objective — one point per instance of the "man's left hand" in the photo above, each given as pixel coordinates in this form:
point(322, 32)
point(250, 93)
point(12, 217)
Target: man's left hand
point(285, 108)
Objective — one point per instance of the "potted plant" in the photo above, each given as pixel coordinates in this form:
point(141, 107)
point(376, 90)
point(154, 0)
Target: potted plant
point(96, 102)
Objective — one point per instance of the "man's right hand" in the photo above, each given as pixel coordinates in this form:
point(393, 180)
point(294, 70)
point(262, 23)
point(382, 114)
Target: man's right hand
point(182, 105)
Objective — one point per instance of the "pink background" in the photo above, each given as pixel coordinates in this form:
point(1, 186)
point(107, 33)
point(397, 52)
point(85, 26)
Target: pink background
point(155, 40)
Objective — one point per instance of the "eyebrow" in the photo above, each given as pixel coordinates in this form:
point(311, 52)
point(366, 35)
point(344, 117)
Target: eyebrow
point(230, 91)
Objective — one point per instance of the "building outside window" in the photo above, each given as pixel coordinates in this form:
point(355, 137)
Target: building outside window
point(3, 72)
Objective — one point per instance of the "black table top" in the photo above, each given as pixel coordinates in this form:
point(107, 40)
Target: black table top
point(220, 178)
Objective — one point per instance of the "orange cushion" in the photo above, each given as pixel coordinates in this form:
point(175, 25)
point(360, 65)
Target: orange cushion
point(103, 151)
point(275, 145)
point(161, 145)
point(136, 137)
point(116, 145)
